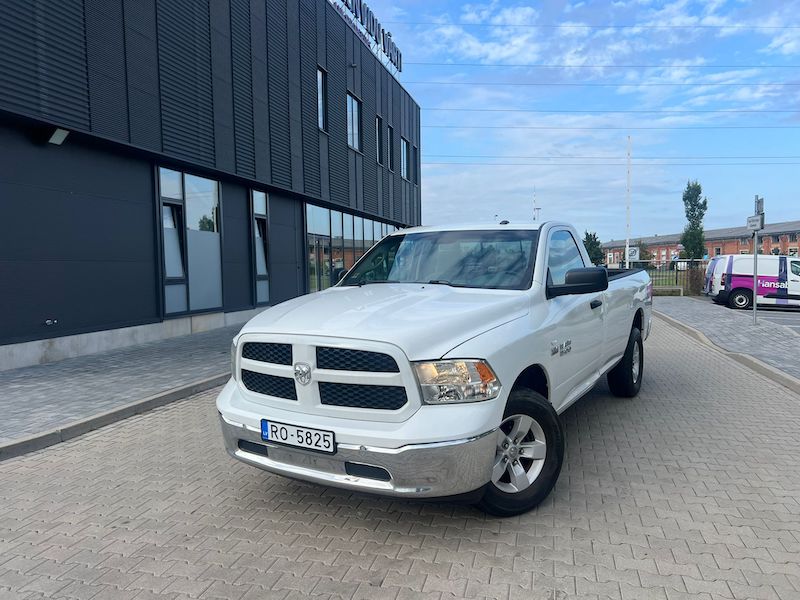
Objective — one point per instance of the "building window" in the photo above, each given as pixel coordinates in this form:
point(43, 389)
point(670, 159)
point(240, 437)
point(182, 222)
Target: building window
point(776, 239)
point(416, 165)
point(322, 99)
point(405, 158)
point(335, 241)
point(792, 237)
point(260, 251)
point(190, 218)
point(717, 251)
point(379, 139)
point(353, 122)
point(390, 141)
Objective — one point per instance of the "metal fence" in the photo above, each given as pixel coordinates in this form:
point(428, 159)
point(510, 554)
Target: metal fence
point(686, 274)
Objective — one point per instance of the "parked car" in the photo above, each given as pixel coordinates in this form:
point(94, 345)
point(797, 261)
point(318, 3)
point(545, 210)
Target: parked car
point(438, 365)
point(729, 280)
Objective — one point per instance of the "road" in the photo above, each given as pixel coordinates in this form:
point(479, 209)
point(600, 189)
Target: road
point(688, 491)
point(786, 316)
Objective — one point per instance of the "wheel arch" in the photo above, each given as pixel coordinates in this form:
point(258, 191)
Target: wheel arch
point(638, 320)
point(534, 377)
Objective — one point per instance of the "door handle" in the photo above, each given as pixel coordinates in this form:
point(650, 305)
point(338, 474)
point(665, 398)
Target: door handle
point(596, 303)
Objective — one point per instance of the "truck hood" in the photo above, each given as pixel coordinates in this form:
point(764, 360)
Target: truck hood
point(423, 320)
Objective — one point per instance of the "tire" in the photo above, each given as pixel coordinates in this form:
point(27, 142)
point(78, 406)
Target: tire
point(625, 380)
point(740, 299)
point(544, 439)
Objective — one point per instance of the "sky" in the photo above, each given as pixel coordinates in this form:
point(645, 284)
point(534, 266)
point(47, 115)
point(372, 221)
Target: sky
point(521, 96)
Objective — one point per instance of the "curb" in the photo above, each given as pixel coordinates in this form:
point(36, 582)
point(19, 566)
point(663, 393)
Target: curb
point(762, 368)
point(76, 428)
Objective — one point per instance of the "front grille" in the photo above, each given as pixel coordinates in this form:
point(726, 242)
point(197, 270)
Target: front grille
point(279, 354)
point(380, 397)
point(344, 359)
point(269, 385)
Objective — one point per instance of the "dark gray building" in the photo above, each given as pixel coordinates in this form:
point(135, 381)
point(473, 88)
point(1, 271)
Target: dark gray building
point(172, 165)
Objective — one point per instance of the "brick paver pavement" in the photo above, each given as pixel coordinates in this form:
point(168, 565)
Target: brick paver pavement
point(772, 343)
point(688, 491)
point(36, 399)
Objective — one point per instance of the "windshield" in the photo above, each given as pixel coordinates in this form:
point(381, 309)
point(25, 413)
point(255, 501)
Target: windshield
point(475, 259)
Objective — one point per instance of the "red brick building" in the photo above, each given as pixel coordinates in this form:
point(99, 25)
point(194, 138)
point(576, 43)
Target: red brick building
point(776, 238)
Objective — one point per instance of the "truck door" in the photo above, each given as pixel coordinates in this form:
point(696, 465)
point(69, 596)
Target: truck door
point(574, 324)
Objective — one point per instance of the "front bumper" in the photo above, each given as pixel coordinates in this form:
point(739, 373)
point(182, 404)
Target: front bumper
point(429, 470)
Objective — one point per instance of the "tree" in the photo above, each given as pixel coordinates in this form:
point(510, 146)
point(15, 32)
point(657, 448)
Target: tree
point(644, 254)
point(693, 238)
point(593, 248)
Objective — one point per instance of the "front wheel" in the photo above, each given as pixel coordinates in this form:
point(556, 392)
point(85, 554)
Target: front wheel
point(528, 457)
point(625, 379)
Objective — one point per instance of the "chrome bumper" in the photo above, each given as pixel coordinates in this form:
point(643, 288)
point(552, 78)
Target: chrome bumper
point(416, 471)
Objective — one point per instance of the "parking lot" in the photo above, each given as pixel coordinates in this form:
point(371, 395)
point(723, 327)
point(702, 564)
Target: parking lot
point(688, 491)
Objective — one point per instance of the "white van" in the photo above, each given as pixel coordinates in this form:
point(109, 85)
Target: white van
point(729, 280)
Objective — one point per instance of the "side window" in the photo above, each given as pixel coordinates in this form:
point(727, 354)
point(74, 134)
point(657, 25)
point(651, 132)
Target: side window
point(796, 267)
point(562, 256)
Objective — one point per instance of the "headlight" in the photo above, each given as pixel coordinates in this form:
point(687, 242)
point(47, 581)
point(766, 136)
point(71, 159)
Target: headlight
point(452, 381)
point(233, 359)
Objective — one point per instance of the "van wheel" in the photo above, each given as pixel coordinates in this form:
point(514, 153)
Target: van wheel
point(528, 458)
point(625, 379)
point(740, 299)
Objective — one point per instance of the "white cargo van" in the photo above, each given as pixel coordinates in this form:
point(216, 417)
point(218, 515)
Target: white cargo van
point(729, 280)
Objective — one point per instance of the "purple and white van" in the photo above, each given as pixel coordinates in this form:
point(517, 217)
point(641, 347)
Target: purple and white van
point(729, 280)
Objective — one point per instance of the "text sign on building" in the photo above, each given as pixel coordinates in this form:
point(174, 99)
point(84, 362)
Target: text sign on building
point(363, 15)
point(756, 222)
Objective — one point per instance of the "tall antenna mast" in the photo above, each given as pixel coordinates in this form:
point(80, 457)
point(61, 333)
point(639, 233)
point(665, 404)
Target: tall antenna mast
point(628, 210)
point(536, 209)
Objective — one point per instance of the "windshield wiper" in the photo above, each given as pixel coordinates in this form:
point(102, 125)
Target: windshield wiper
point(360, 283)
point(445, 282)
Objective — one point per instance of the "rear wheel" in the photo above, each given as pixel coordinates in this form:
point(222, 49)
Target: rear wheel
point(740, 299)
point(528, 457)
point(625, 380)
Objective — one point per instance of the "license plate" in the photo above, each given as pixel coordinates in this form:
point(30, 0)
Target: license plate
point(299, 437)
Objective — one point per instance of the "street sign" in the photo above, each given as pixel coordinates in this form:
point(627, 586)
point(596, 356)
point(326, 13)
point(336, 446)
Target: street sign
point(759, 206)
point(756, 222)
point(633, 253)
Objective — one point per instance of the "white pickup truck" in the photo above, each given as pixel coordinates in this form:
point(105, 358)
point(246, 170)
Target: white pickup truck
point(438, 365)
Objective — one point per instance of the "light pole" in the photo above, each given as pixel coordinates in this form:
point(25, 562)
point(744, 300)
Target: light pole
point(628, 210)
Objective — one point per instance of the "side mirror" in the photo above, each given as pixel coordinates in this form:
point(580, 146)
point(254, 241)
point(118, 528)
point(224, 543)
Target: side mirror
point(580, 281)
point(338, 275)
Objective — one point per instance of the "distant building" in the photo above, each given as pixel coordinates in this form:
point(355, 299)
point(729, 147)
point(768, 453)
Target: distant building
point(776, 238)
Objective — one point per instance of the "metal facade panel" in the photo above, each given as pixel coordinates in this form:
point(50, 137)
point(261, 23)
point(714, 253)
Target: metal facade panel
point(80, 248)
point(337, 108)
point(397, 119)
point(278, 72)
point(184, 56)
point(43, 66)
point(237, 270)
point(308, 89)
point(242, 83)
point(260, 81)
point(222, 86)
point(105, 60)
point(370, 109)
point(141, 59)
